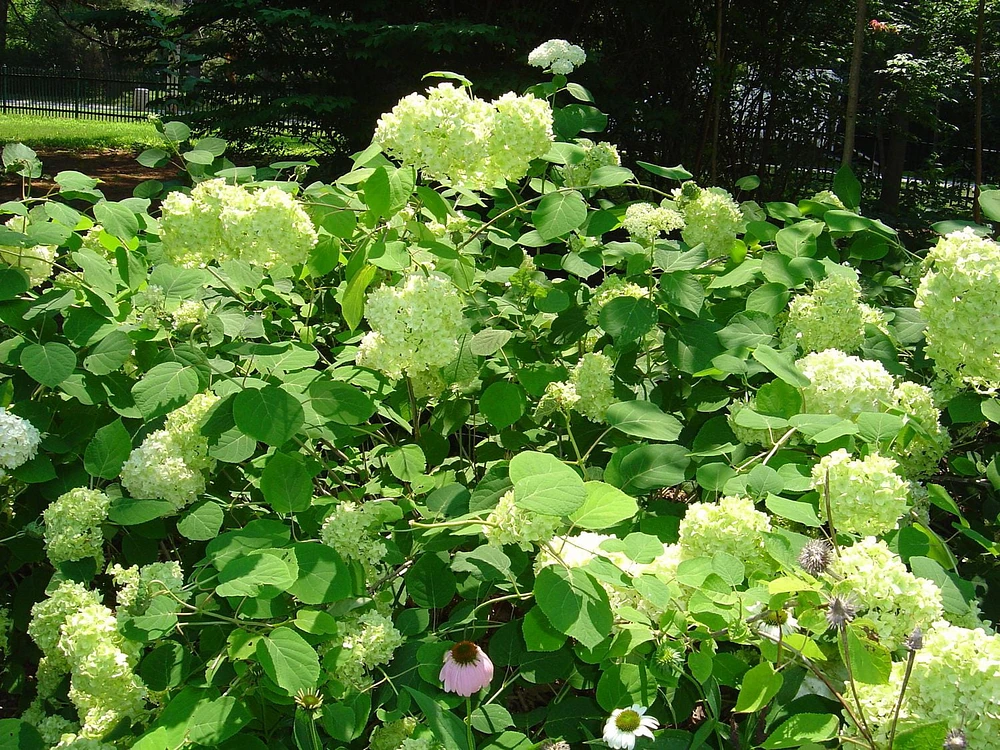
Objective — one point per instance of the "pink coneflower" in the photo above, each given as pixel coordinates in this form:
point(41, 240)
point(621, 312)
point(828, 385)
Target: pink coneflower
point(467, 669)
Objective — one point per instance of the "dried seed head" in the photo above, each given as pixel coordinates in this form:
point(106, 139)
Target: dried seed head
point(915, 640)
point(955, 740)
point(840, 610)
point(815, 556)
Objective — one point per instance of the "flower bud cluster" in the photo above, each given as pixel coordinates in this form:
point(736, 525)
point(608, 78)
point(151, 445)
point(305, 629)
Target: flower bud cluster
point(830, 198)
point(591, 379)
point(366, 641)
point(611, 288)
point(921, 454)
point(843, 384)
point(78, 634)
point(138, 585)
point(732, 525)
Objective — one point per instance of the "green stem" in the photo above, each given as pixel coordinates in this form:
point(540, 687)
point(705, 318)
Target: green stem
point(468, 724)
point(902, 692)
point(862, 723)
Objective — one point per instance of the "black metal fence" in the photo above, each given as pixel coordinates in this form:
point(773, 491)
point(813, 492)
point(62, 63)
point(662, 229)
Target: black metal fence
point(115, 97)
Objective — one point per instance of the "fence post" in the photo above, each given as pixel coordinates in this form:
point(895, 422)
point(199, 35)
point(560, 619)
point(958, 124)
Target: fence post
point(4, 87)
point(76, 98)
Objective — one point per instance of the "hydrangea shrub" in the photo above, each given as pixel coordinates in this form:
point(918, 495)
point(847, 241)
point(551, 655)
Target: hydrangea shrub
point(501, 440)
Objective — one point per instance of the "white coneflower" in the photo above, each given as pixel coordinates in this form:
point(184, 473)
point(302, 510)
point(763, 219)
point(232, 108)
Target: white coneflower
point(772, 623)
point(625, 724)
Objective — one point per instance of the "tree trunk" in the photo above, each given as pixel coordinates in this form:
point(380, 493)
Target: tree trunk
point(717, 104)
point(4, 10)
point(978, 130)
point(854, 84)
point(895, 159)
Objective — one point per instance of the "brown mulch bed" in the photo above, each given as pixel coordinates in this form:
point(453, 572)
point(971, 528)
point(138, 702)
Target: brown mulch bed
point(118, 171)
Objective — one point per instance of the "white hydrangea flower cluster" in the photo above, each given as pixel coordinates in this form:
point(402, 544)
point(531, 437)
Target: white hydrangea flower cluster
point(138, 585)
point(391, 735)
point(456, 138)
point(48, 616)
point(19, 440)
point(73, 526)
point(79, 635)
point(559, 396)
point(557, 56)
point(54, 727)
point(611, 288)
point(592, 382)
point(711, 216)
point(577, 551)
point(829, 197)
point(103, 685)
point(645, 222)
point(170, 463)
point(91, 240)
point(35, 261)
point(828, 318)
point(843, 384)
point(847, 386)
point(572, 551)
point(872, 316)
point(749, 435)
point(596, 155)
point(955, 679)
point(415, 327)
point(74, 741)
point(522, 131)
point(367, 641)
point(189, 314)
point(352, 529)
point(931, 442)
point(219, 222)
point(732, 525)
point(453, 224)
point(508, 524)
point(959, 297)
point(867, 496)
point(886, 593)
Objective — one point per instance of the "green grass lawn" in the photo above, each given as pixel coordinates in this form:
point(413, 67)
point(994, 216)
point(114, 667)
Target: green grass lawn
point(62, 132)
point(38, 131)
